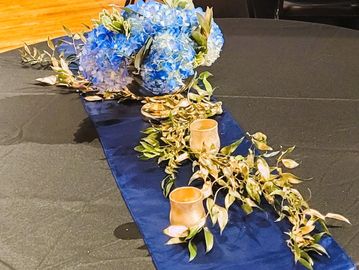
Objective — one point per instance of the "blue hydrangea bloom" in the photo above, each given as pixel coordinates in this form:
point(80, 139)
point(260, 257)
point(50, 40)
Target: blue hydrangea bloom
point(105, 56)
point(100, 63)
point(214, 45)
point(168, 64)
point(157, 18)
point(103, 59)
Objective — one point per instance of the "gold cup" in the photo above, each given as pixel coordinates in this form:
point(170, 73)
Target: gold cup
point(186, 206)
point(204, 136)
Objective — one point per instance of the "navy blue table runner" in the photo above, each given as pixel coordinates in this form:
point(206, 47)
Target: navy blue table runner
point(252, 241)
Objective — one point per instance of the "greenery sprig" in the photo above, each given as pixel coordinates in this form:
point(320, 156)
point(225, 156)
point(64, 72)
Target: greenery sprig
point(201, 33)
point(114, 21)
point(35, 57)
point(188, 4)
point(57, 62)
point(168, 141)
point(63, 76)
point(248, 179)
point(181, 234)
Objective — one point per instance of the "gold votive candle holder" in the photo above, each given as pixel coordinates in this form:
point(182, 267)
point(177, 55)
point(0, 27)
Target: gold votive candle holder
point(204, 136)
point(186, 206)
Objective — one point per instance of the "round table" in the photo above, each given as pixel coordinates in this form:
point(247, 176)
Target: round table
point(297, 82)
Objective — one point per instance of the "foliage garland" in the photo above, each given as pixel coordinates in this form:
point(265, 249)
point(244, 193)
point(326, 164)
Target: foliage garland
point(246, 179)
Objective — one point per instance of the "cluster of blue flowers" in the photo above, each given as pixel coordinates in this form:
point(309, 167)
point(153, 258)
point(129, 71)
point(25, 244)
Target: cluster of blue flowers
point(106, 55)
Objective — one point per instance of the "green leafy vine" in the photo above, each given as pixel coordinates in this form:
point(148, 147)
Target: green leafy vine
point(247, 179)
point(168, 141)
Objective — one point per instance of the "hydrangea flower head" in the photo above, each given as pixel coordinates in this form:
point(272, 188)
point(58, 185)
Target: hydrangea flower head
point(102, 62)
point(214, 45)
point(168, 64)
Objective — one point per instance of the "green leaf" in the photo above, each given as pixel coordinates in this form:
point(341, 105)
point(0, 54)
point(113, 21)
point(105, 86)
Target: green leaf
point(174, 241)
point(291, 178)
point(192, 248)
point(305, 256)
point(142, 54)
point(307, 229)
point(259, 136)
point(51, 80)
point(228, 150)
point(209, 204)
point(193, 232)
point(182, 157)
point(208, 237)
point(150, 140)
point(314, 213)
point(50, 44)
point(176, 231)
point(246, 208)
point(205, 21)
point(319, 248)
point(187, 4)
point(195, 176)
point(149, 130)
point(262, 145)
point(306, 264)
point(297, 252)
point(318, 236)
point(253, 190)
point(139, 148)
point(202, 22)
point(127, 9)
point(207, 189)
point(263, 168)
point(82, 37)
point(86, 26)
point(199, 38)
point(289, 163)
point(203, 77)
point(289, 150)
point(271, 154)
point(67, 31)
point(228, 200)
point(337, 217)
point(209, 15)
point(167, 184)
point(213, 210)
point(27, 49)
point(222, 218)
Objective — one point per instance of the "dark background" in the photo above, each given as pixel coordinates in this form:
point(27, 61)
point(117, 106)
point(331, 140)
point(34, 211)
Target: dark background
point(343, 13)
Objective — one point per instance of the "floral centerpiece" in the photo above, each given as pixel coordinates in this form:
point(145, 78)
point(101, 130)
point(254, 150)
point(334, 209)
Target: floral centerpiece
point(155, 45)
point(149, 51)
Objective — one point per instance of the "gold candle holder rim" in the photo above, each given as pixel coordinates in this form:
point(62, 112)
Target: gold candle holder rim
point(200, 197)
point(214, 122)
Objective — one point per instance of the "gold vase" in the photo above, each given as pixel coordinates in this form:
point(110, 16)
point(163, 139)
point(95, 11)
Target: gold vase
point(186, 206)
point(204, 136)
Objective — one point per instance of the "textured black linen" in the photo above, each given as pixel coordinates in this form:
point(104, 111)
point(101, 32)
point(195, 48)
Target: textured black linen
point(297, 82)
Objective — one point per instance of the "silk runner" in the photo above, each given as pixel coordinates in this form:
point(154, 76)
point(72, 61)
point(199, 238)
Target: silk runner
point(248, 242)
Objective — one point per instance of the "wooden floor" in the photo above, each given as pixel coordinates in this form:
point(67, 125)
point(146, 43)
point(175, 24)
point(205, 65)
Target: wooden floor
point(32, 21)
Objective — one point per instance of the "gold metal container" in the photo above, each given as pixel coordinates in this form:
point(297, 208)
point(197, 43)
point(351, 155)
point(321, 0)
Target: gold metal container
point(186, 206)
point(204, 136)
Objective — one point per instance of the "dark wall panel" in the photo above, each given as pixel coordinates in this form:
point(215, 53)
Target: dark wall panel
point(225, 8)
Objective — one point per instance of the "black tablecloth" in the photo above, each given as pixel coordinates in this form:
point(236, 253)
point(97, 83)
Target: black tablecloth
point(296, 82)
